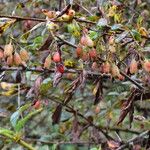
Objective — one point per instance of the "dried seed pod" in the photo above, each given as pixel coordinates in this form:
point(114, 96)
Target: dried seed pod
point(85, 56)
point(112, 48)
point(146, 65)
point(93, 53)
point(37, 104)
point(121, 77)
point(49, 14)
point(94, 66)
point(47, 62)
point(24, 55)
point(8, 50)
point(115, 71)
point(71, 13)
point(56, 57)
point(133, 66)
point(106, 67)
point(65, 17)
point(86, 41)
point(1, 54)
point(97, 109)
point(17, 59)
point(9, 60)
point(111, 40)
point(79, 51)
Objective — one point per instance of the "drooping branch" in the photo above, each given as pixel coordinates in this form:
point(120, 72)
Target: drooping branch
point(72, 110)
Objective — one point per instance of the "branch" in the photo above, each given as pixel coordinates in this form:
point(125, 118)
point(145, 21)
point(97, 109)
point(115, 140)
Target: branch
point(71, 110)
point(41, 70)
point(84, 8)
point(59, 142)
point(9, 134)
point(133, 140)
point(133, 81)
point(66, 42)
point(19, 18)
point(145, 96)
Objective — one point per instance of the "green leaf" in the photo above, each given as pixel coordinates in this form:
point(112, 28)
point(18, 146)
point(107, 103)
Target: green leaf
point(136, 35)
point(23, 121)
point(93, 35)
point(5, 131)
point(25, 36)
point(45, 86)
point(74, 29)
point(14, 118)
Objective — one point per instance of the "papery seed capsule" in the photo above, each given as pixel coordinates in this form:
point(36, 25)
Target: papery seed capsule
point(97, 109)
point(146, 65)
point(8, 50)
point(89, 42)
point(86, 41)
point(106, 67)
point(47, 62)
point(1, 54)
point(65, 17)
point(37, 104)
point(17, 59)
point(112, 48)
point(94, 66)
point(9, 60)
point(83, 40)
point(85, 56)
point(79, 51)
point(49, 14)
point(93, 53)
point(133, 66)
point(56, 57)
point(120, 77)
point(115, 71)
point(71, 13)
point(24, 55)
point(111, 40)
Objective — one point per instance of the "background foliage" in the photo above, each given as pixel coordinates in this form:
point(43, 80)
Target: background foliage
point(74, 81)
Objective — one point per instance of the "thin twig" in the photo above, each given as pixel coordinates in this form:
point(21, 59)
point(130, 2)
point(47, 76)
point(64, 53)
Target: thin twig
point(84, 8)
point(133, 81)
point(19, 18)
point(133, 140)
point(66, 42)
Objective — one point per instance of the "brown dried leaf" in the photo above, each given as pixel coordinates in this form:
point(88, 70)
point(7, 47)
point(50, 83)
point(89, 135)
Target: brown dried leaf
point(37, 85)
point(131, 116)
point(98, 91)
point(47, 43)
point(126, 107)
point(57, 114)
point(57, 78)
point(18, 76)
